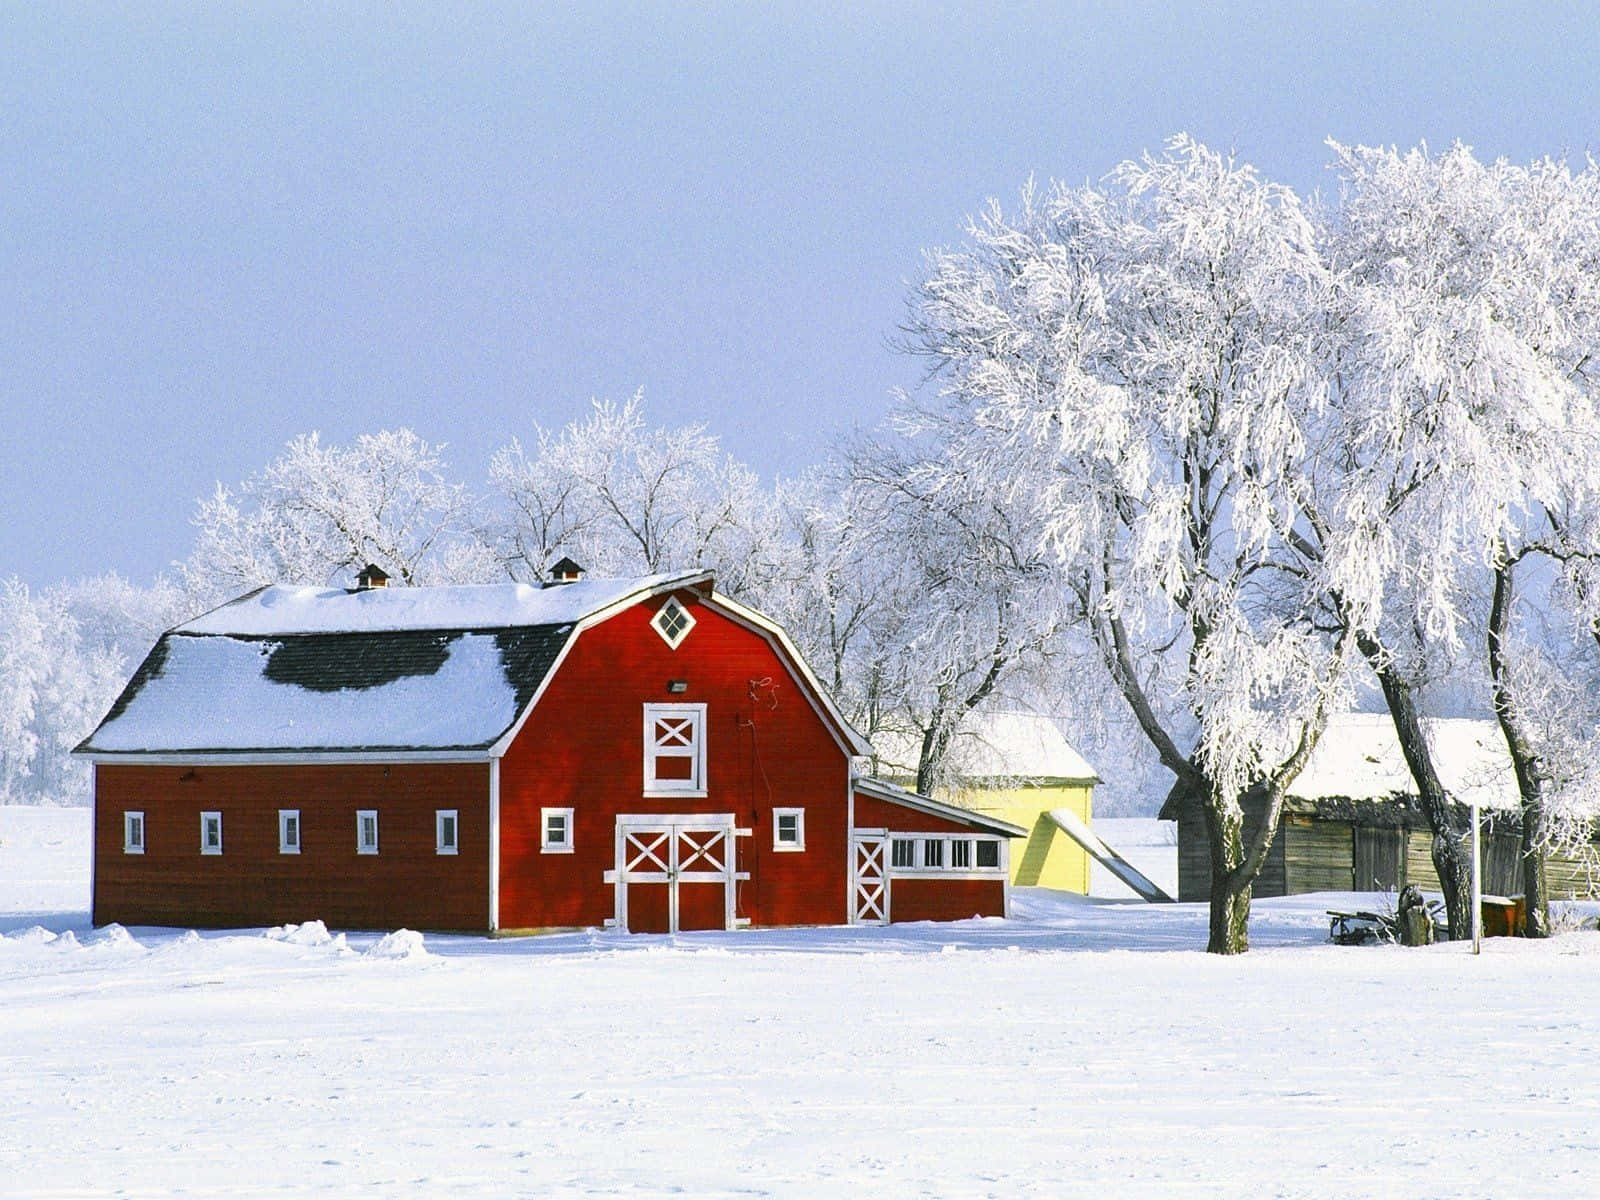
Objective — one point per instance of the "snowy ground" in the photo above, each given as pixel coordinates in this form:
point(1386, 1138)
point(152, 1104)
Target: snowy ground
point(1083, 1048)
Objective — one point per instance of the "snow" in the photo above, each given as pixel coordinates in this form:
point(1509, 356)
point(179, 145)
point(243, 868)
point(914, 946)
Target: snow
point(1149, 844)
point(1082, 1049)
point(212, 693)
point(997, 744)
point(288, 610)
point(1359, 758)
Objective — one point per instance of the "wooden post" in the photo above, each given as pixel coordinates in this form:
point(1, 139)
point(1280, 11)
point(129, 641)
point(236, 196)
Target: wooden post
point(1477, 883)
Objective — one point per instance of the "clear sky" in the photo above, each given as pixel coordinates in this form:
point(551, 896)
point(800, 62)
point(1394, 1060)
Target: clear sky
point(223, 225)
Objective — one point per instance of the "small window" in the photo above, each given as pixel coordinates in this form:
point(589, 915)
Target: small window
point(989, 854)
point(788, 829)
point(210, 833)
point(555, 825)
point(673, 622)
point(932, 852)
point(674, 750)
point(445, 831)
point(903, 853)
point(367, 831)
point(133, 833)
point(288, 831)
point(960, 854)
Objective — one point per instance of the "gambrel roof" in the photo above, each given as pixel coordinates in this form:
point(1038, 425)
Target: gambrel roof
point(318, 670)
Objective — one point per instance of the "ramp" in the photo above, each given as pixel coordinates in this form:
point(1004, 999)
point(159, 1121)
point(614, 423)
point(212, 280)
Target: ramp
point(1069, 823)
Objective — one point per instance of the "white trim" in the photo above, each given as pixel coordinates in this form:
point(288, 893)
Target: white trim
point(879, 790)
point(362, 845)
point(691, 579)
point(285, 846)
point(205, 840)
point(494, 844)
point(694, 751)
point(797, 846)
point(568, 844)
point(672, 602)
point(440, 846)
point(94, 829)
point(845, 734)
point(268, 758)
point(858, 900)
point(130, 844)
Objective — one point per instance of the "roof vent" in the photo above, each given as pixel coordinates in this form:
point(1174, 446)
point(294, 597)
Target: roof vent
point(566, 571)
point(372, 576)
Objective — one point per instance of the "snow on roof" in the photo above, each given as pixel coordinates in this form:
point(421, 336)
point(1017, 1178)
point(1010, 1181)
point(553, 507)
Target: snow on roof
point(1359, 758)
point(994, 745)
point(284, 610)
point(218, 694)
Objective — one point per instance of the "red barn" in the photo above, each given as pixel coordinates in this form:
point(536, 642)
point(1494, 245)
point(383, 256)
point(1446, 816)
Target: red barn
point(643, 753)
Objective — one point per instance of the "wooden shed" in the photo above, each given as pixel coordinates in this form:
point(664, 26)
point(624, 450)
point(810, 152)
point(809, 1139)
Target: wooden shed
point(1353, 822)
point(1016, 766)
point(644, 754)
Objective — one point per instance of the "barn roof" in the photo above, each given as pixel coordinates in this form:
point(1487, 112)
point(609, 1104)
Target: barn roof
point(996, 746)
point(429, 670)
point(882, 789)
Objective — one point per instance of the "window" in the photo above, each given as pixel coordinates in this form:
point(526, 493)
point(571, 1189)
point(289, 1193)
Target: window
point(674, 750)
point(945, 853)
point(445, 831)
point(555, 825)
point(788, 829)
point(133, 833)
point(673, 622)
point(210, 833)
point(367, 831)
point(288, 831)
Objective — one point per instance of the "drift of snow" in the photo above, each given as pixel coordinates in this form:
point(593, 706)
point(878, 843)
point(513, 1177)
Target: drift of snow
point(1078, 1050)
point(283, 610)
point(402, 943)
point(213, 693)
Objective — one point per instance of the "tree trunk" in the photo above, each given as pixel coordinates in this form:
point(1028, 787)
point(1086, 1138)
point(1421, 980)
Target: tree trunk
point(1451, 859)
point(1528, 764)
point(1230, 901)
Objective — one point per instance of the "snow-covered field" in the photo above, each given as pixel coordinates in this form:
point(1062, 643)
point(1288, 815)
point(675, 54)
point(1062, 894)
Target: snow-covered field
point(1083, 1048)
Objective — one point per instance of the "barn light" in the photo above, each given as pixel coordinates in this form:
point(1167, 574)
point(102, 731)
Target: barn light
point(677, 686)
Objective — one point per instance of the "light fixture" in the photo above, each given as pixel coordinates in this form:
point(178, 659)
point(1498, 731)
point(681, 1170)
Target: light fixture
point(677, 687)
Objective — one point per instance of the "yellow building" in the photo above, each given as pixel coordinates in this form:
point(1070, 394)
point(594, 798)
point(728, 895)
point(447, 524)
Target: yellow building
point(1017, 767)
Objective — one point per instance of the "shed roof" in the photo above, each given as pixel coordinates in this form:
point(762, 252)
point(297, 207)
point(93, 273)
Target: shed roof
point(319, 670)
point(1358, 772)
point(995, 746)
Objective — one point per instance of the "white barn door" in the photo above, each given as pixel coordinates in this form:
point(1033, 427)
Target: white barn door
point(675, 872)
point(869, 877)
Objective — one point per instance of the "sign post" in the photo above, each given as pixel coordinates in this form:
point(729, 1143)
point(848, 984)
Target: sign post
point(1477, 884)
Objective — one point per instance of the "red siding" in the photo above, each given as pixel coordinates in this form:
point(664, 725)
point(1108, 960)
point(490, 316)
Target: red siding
point(946, 899)
point(250, 883)
point(872, 813)
point(583, 748)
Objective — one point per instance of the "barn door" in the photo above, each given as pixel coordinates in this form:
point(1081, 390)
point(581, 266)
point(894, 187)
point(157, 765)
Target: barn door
point(1380, 856)
point(675, 873)
point(869, 877)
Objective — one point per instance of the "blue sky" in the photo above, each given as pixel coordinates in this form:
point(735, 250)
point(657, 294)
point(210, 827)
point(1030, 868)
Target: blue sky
point(219, 229)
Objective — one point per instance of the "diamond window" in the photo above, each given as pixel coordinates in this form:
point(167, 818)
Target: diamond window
point(673, 622)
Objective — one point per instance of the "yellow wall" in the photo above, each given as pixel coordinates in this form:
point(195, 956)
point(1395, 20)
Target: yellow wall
point(1049, 858)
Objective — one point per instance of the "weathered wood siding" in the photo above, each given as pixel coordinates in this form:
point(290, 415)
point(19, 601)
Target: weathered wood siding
point(1501, 874)
point(1194, 858)
point(251, 884)
point(1316, 855)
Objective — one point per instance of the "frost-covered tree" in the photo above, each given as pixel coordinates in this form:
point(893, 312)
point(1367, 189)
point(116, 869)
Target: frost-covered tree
point(1462, 357)
point(1137, 363)
point(622, 497)
point(319, 513)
